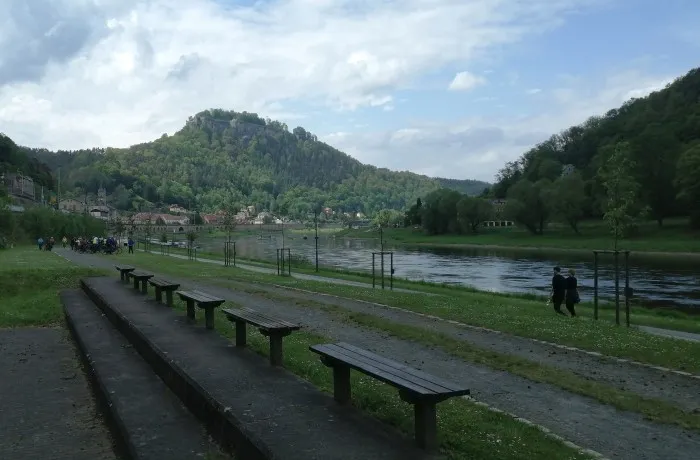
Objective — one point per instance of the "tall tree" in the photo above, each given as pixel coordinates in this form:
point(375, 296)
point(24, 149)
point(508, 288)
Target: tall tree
point(529, 205)
point(688, 183)
point(472, 212)
point(568, 200)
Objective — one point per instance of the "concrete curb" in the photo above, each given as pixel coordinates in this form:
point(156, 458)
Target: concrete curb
point(220, 423)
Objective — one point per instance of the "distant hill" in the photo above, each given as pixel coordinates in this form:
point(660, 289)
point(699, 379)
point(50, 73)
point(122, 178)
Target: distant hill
point(662, 134)
point(14, 159)
point(224, 156)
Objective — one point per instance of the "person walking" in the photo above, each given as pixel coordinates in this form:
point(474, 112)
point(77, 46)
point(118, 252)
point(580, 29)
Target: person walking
point(558, 290)
point(130, 243)
point(571, 297)
point(40, 242)
point(64, 241)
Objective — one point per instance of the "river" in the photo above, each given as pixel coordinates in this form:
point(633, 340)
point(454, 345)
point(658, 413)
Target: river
point(660, 282)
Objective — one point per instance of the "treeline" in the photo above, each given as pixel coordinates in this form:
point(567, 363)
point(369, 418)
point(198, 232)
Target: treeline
point(223, 157)
point(27, 226)
point(14, 160)
point(448, 211)
point(653, 141)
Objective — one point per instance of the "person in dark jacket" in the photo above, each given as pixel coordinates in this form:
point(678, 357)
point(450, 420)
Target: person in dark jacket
point(571, 297)
point(558, 290)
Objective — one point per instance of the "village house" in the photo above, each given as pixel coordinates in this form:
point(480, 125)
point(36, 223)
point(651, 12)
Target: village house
point(160, 219)
point(71, 206)
point(177, 209)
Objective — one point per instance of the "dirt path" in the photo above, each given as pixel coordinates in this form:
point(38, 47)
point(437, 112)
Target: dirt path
point(584, 421)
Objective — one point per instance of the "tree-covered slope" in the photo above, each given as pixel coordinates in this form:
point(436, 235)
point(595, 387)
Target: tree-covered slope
point(656, 136)
point(224, 157)
point(13, 159)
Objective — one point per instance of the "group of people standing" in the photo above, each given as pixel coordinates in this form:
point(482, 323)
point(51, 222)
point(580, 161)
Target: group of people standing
point(564, 290)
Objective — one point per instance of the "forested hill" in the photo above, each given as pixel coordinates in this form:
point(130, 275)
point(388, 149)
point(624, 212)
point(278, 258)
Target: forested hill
point(13, 159)
point(658, 137)
point(227, 157)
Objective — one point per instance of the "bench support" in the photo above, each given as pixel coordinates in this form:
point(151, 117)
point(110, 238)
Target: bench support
point(425, 420)
point(144, 286)
point(209, 317)
point(190, 309)
point(169, 298)
point(136, 283)
point(241, 336)
point(159, 294)
point(275, 345)
point(341, 380)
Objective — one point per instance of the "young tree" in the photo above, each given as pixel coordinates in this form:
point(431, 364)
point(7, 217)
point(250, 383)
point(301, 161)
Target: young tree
point(228, 220)
point(688, 183)
point(567, 199)
point(622, 207)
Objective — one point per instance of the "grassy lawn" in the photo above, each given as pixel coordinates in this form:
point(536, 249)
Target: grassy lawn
point(527, 318)
point(674, 236)
point(466, 430)
point(30, 281)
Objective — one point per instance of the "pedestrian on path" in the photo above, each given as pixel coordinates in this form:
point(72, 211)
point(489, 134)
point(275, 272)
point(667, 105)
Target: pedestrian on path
point(558, 290)
point(571, 297)
point(40, 243)
point(130, 243)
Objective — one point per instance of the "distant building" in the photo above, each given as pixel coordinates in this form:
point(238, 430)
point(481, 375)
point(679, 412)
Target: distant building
point(177, 209)
point(160, 219)
point(19, 185)
point(72, 206)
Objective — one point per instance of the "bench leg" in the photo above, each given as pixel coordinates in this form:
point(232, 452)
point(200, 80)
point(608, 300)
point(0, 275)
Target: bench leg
point(144, 287)
point(169, 298)
point(121, 276)
point(159, 294)
point(136, 283)
point(341, 383)
point(426, 425)
point(209, 317)
point(276, 349)
point(190, 309)
point(241, 333)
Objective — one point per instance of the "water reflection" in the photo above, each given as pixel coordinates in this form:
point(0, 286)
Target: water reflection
point(658, 281)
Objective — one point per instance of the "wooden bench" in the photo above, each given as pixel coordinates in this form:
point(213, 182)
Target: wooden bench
point(161, 285)
point(422, 390)
point(275, 329)
point(140, 278)
point(203, 300)
point(124, 271)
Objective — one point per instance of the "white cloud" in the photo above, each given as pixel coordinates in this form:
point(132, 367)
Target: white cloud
point(465, 81)
point(82, 73)
point(477, 147)
point(533, 91)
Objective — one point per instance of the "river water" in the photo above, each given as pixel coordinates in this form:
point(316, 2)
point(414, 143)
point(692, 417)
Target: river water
point(660, 282)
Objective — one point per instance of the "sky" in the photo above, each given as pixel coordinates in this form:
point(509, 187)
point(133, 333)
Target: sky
point(449, 88)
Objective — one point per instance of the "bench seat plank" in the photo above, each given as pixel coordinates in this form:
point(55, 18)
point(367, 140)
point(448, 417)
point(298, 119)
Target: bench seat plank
point(140, 277)
point(161, 285)
point(274, 328)
point(422, 390)
point(423, 376)
point(375, 369)
point(259, 320)
point(204, 301)
point(124, 271)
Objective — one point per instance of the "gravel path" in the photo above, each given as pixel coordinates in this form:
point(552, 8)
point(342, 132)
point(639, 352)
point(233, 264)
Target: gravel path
point(47, 410)
point(586, 422)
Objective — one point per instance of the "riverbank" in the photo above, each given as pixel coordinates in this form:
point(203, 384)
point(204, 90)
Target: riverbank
point(675, 239)
point(664, 318)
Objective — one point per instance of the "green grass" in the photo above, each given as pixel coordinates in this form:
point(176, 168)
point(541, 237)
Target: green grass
point(465, 430)
point(641, 315)
point(30, 281)
point(521, 317)
point(674, 236)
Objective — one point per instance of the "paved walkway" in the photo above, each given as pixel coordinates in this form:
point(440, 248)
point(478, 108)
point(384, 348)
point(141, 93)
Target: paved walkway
point(46, 407)
point(671, 333)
